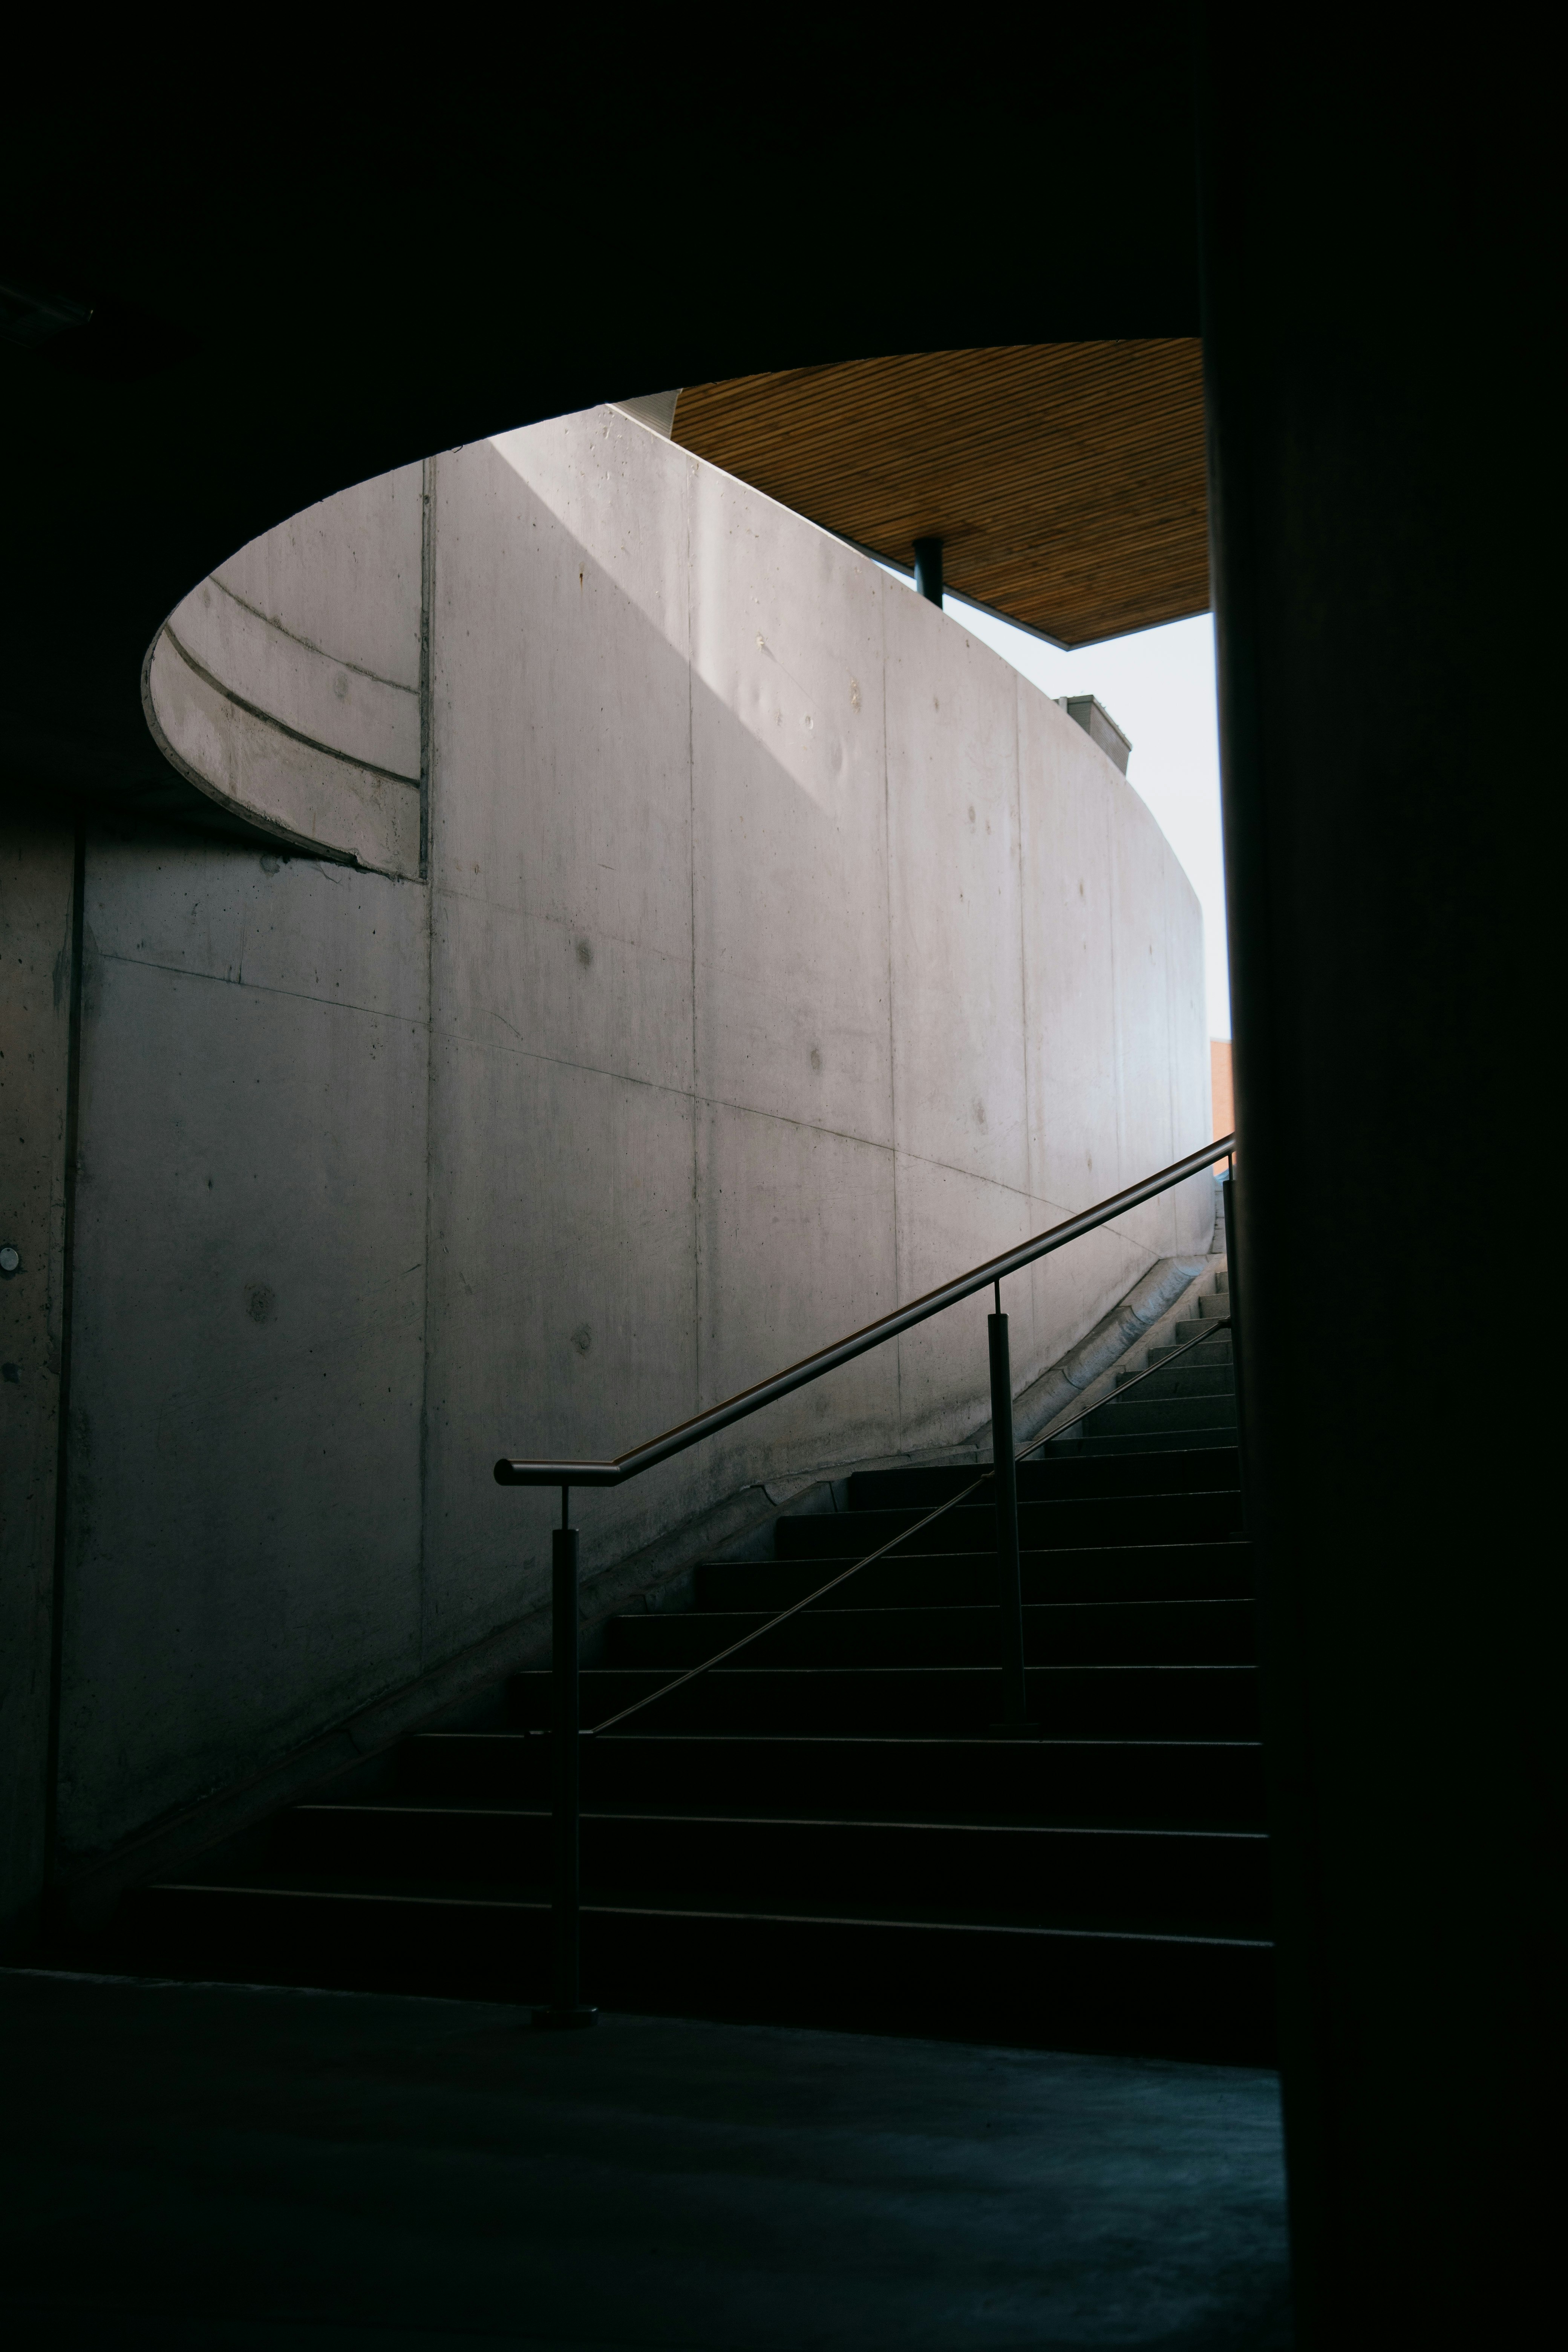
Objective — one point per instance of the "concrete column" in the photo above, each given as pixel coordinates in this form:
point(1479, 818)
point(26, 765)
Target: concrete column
point(37, 864)
point(1384, 520)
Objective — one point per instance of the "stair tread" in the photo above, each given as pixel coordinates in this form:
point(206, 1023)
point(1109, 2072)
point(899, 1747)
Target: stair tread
point(384, 1808)
point(939, 1479)
point(734, 1837)
point(1106, 1446)
point(882, 1610)
point(1058, 1554)
point(946, 1632)
point(1146, 1500)
point(1178, 1411)
point(1075, 1520)
point(487, 1895)
point(897, 1739)
point(537, 1675)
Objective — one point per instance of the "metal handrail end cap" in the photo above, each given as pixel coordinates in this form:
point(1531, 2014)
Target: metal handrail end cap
point(557, 1473)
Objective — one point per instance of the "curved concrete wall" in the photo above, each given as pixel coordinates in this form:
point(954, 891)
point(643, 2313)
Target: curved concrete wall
point(289, 684)
point(780, 953)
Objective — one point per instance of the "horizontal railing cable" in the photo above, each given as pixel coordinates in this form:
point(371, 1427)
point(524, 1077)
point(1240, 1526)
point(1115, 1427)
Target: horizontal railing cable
point(1221, 1323)
point(511, 1472)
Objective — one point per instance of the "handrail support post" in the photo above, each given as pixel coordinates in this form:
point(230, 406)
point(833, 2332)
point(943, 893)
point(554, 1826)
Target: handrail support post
point(1232, 1289)
point(1009, 1575)
point(567, 2008)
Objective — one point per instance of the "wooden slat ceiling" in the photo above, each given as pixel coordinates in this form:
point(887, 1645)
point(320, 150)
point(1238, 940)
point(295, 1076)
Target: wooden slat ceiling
point(1065, 479)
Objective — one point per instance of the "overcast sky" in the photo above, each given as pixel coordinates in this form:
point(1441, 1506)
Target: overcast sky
point(1159, 687)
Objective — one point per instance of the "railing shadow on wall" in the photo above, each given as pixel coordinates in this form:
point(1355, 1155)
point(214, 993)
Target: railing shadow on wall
point(567, 2008)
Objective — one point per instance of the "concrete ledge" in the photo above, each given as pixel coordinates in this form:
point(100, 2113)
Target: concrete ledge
point(302, 793)
point(372, 721)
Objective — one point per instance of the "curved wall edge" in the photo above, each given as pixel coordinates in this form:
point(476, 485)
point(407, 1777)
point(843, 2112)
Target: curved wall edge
point(302, 792)
point(289, 686)
point(371, 720)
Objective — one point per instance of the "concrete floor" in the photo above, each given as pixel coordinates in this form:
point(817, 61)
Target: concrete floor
point(217, 2166)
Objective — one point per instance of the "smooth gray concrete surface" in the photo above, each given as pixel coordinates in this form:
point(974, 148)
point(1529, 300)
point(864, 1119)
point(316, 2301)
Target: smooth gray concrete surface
point(291, 682)
point(779, 952)
point(213, 2166)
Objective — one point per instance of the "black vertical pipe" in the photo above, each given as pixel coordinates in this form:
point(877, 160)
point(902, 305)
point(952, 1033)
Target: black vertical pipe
point(927, 569)
point(566, 1791)
point(566, 2008)
point(1009, 1579)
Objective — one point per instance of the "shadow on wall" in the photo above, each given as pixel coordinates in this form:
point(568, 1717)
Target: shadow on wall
point(780, 953)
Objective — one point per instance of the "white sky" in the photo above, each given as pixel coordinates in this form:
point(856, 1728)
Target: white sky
point(1159, 687)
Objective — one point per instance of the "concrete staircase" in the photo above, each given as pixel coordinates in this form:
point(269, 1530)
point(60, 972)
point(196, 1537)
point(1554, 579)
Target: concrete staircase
point(830, 1831)
point(1191, 1404)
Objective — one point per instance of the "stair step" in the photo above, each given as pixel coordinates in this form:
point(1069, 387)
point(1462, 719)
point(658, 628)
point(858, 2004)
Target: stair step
point(834, 1827)
point(1108, 1702)
point(1067, 1632)
point(1217, 1345)
point(1174, 1882)
point(1203, 1517)
point(1192, 1376)
point(1142, 1415)
point(1050, 1475)
point(1155, 1783)
point(1209, 1999)
point(909, 1578)
point(1145, 1441)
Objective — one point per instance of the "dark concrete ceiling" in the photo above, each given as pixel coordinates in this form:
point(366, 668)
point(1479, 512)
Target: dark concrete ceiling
point(289, 297)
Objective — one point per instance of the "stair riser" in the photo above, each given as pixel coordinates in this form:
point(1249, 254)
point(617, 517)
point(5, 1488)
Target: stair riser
point(1168, 1632)
point(1140, 1416)
point(1183, 1379)
point(1049, 1477)
point(1178, 1784)
point(1198, 2001)
point(1042, 1526)
point(1173, 1884)
point(956, 1579)
point(1146, 1446)
point(1068, 1702)
point(867, 1721)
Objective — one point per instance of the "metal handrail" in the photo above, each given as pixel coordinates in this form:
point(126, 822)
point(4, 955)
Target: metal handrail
point(511, 1473)
point(568, 2008)
point(1220, 1323)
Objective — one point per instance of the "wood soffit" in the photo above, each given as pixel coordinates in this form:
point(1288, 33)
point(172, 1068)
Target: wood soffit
point(1066, 480)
